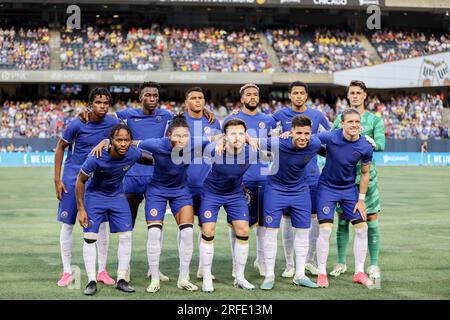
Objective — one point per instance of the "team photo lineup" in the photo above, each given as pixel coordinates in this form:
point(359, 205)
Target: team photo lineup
point(243, 152)
point(196, 165)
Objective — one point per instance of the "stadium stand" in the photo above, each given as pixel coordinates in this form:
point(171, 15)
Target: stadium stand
point(317, 50)
point(220, 50)
point(111, 48)
point(24, 49)
point(397, 45)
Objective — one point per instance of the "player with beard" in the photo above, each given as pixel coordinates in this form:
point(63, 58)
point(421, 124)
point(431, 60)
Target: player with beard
point(259, 125)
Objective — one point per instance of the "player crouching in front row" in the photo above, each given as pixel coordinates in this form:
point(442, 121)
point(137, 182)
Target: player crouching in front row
point(105, 196)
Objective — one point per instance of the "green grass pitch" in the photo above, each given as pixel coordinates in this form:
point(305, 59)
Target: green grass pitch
point(414, 259)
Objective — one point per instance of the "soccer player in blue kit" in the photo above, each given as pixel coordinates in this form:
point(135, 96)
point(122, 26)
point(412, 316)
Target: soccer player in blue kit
point(80, 138)
point(197, 172)
point(173, 156)
point(298, 94)
point(345, 148)
point(287, 189)
point(144, 123)
point(259, 125)
point(223, 187)
point(104, 196)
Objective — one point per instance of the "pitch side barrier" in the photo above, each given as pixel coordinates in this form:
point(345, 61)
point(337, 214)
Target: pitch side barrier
point(46, 159)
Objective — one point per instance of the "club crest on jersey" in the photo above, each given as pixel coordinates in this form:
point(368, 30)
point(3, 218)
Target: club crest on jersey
point(326, 210)
point(64, 214)
point(126, 168)
point(262, 125)
point(153, 212)
point(307, 158)
point(207, 214)
point(207, 130)
point(269, 219)
point(158, 118)
point(356, 154)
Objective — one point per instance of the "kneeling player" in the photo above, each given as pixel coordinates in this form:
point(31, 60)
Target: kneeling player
point(223, 187)
point(105, 196)
point(345, 148)
point(287, 189)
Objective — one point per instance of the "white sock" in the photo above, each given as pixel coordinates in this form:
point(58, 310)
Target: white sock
point(240, 257)
point(323, 248)
point(313, 235)
point(89, 256)
point(186, 249)
point(301, 244)
point(207, 253)
point(200, 262)
point(270, 251)
point(154, 251)
point(260, 233)
point(65, 241)
point(102, 246)
point(124, 254)
point(232, 238)
point(288, 241)
point(360, 248)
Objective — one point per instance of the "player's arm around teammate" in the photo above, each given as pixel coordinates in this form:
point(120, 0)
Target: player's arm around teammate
point(223, 187)
point(372, 127)
point(168, 184)
point(345, 148)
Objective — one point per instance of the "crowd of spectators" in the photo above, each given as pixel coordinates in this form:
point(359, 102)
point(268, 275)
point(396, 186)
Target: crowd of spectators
point(12, 148)
point(219, 50)
point(397, 45)
point(408, 117)
point(317, 50)
point(111, 48)
point(24, 49)
point(405, 117)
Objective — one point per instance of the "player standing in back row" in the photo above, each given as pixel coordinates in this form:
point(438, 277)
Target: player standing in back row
point(81, 138)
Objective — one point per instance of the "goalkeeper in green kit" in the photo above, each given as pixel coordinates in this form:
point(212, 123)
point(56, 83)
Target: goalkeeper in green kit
point(372, 128)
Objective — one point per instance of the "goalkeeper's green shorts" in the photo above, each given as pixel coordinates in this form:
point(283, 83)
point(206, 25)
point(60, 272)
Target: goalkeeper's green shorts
point(372, 199)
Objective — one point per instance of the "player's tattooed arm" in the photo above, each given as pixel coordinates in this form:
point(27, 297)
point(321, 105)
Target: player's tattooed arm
point(363, 185)
point(209, 116)
point(253, 142)
point(59, 155)
point(84, 114)
point(286, 135)
point(79, 193)
point(215, 137)
point(146, 158)
point(98, 149)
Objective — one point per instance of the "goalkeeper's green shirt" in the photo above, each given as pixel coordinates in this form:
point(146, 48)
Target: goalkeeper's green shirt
point(373, 126)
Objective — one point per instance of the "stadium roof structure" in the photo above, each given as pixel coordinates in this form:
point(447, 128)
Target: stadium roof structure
point(318, 4)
